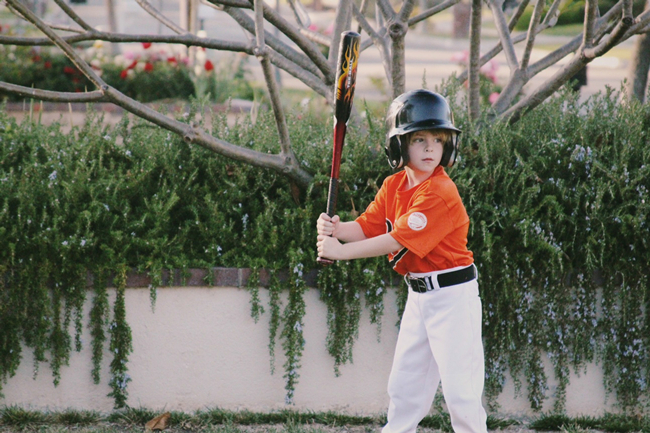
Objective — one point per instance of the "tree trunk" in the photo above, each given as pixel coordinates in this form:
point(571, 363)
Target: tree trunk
point(640, 65)
point(112, 24)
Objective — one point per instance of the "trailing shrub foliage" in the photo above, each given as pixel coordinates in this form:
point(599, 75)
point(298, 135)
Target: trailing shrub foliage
point(558, 204)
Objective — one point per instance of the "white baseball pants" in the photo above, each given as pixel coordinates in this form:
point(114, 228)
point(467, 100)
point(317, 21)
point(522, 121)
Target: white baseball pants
point(439, 341)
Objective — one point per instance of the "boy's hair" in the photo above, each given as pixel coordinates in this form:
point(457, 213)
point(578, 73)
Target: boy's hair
point(447, 136)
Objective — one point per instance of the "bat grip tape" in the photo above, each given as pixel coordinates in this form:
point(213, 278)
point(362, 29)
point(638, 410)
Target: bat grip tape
point(332, 196)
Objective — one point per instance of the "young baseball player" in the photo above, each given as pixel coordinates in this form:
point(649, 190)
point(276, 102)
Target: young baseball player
point(419, 221)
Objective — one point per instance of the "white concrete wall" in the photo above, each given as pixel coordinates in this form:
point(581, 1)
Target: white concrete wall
point(201, 349)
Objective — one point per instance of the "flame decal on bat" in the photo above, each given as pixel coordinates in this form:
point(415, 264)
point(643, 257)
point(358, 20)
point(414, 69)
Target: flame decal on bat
point(348, 72)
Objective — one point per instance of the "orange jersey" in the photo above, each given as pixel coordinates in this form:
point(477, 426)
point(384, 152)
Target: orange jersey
point(429, 220)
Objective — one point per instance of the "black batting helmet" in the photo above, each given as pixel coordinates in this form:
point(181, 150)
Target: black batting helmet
point(418, 110)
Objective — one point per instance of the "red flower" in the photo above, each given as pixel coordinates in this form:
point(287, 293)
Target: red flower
point(48, 64)
point(172, 60)
point(68, 70)
point(124, 73)
point(148, 67)
point(209, 66)
point(132, 65)
point(36, 58)
point(76, 80)
point(146, 45)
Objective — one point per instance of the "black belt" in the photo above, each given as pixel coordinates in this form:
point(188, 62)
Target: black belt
point(425, 284)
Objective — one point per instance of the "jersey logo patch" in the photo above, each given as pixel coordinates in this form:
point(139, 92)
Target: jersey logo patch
point(417, 221)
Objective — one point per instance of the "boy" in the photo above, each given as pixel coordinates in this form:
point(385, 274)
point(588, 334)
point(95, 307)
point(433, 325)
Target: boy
point(418, 219)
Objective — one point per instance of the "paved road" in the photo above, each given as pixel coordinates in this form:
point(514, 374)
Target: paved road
point(429, 54)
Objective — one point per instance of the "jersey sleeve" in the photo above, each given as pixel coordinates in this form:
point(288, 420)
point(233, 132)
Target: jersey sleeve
point(373, 220)
point(431, 217)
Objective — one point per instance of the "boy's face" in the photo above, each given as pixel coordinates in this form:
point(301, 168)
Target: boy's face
point(425, 150)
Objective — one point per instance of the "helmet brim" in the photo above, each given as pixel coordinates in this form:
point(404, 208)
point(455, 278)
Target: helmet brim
point(422, 125)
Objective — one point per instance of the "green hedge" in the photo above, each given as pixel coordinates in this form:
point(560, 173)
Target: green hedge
point(558, 204)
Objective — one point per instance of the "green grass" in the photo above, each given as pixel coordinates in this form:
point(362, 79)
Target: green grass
point(17, 419)
point(614, 423)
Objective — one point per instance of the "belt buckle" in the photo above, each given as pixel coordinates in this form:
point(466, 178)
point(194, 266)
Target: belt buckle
point(418, 285)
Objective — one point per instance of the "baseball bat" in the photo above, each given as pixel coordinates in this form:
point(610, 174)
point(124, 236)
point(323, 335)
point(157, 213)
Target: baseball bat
point(346, 77)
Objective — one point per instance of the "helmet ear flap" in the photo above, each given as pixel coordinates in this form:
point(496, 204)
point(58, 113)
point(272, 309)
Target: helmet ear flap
point(450, 151)
point(394, 152)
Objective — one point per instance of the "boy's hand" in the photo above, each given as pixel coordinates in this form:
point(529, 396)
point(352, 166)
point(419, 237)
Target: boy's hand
point(329, 247)
point(326, 226)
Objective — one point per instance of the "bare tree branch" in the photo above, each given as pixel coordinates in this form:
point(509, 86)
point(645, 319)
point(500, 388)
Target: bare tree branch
point(300, 56)
point(544, 91)
point(432, 11)
point(66, 48)
point(405, 11)
point(532, 32)
point(302, 42)
point(190, 133)
point(591, 12)
point(557, 55)
point(319, 38)
point(64, 28)
point(272, 85)
point(72, 14)
point(342, 21)
point(386, 9)
point(521, 8)
point(185, 39)
point(47, 95)
point(362, 9)
point(248, 24)
point(504, 34)
point(146, 6)
point(379, 41)
point(610, 40)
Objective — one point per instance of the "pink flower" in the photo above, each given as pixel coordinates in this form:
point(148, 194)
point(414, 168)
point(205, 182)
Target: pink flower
point(493, 97)
point(462, 57)
point(490, 70)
